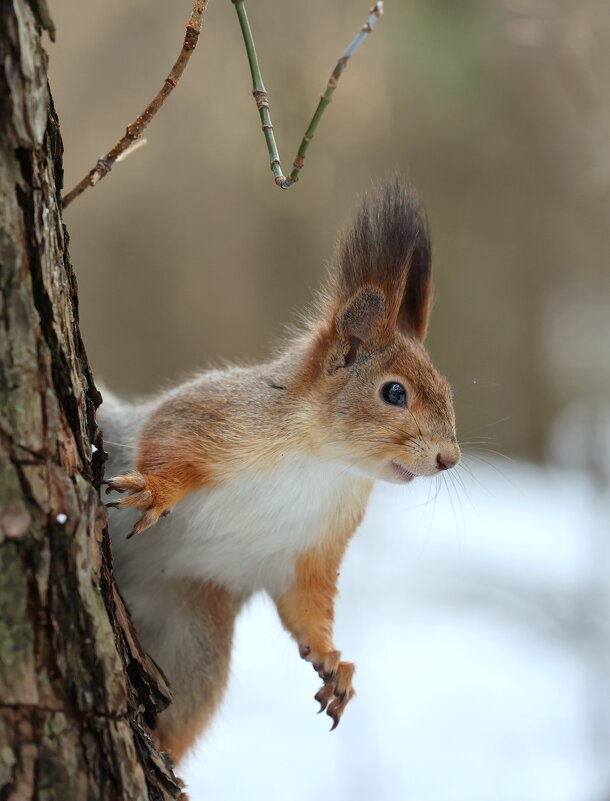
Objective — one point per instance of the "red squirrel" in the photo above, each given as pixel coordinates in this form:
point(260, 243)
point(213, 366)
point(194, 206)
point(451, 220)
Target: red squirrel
point(267, 470)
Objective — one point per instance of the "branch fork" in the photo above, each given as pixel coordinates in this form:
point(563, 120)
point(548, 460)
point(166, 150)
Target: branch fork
point(131, 140)
point(262, 98)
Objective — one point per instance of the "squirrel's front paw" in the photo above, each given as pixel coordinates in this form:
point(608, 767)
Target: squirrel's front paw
point(337, 690)
point(150, 493)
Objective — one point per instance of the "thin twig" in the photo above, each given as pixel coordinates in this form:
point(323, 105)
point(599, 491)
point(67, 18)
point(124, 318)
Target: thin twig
point(135, 129)
point(262, 98)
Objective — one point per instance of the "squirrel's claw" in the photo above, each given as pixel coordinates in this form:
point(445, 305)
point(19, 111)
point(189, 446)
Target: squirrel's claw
point(337, 706)
point(147, 493)
point(110, 486)
point(336, 691)
point(323, 696)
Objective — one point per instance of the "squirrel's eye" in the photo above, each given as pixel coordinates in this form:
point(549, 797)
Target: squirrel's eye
point(394, 393)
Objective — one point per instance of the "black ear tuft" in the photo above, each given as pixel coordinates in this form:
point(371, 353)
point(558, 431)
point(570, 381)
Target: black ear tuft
point(388, 247)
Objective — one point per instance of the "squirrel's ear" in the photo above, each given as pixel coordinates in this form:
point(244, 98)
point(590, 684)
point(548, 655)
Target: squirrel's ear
point(356, 323)
point(414, 311)
point(388, 247)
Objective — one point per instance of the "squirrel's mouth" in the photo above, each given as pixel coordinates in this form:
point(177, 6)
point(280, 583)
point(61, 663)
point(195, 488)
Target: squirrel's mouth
point(401, 473)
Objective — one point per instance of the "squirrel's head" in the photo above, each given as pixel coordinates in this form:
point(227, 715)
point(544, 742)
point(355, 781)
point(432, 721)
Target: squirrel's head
point(377, 399)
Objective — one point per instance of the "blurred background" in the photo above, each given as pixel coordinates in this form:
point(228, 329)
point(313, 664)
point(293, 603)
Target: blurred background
point(482, 633)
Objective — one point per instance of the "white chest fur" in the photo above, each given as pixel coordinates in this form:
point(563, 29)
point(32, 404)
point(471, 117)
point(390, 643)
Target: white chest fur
point(245, 535)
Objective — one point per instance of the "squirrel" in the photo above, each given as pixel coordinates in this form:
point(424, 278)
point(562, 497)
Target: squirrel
point(267, 470)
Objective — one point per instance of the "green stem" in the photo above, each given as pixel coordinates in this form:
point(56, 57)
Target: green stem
point(262, 98)
point(260, 94)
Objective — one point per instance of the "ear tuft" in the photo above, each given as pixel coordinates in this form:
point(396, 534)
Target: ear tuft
point(388, 246)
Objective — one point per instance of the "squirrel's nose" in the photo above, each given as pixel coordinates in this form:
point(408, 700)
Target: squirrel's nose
point(445, 460)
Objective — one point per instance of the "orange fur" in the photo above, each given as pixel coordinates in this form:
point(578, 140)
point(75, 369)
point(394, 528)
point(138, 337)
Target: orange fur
point(307, 611)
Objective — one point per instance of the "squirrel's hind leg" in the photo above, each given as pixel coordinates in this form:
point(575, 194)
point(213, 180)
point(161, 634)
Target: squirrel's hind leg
point(195, 659)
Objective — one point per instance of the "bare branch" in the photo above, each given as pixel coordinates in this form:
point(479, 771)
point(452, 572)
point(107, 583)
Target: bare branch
point(262, 98)
point(135, 129)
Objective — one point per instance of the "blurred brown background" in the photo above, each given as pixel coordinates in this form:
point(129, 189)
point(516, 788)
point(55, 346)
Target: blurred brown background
point(188, 254)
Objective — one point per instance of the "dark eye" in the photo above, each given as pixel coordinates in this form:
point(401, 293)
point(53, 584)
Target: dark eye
point(394, 394)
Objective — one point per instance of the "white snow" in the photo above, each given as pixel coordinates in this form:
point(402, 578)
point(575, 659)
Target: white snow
point(61, 518)
point(478, 622)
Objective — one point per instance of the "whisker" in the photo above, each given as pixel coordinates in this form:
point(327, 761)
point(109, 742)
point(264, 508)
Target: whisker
point(490, 463)
point(452, 477)
point(489, 425)
point(496, 453)
point(450, 496)
point(120, 444)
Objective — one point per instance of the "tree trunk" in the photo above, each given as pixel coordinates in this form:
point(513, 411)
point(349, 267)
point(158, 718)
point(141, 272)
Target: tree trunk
point(76, 690)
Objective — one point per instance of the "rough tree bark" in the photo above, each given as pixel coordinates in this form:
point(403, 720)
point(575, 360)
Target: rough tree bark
point(76, 691)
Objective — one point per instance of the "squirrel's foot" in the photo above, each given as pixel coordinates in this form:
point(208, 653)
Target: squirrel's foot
point(337, 690)
point(151, 494)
